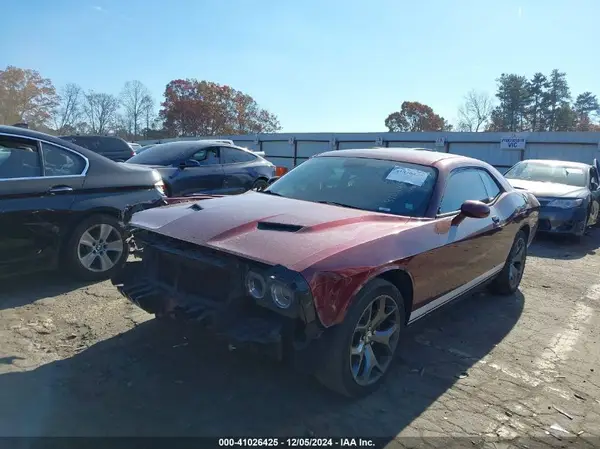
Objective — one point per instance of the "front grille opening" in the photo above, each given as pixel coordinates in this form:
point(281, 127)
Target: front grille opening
point(204, 281)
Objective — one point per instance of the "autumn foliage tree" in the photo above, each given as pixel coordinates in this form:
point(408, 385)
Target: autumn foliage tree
point(193, 107)
point(415, 116)
point(26, 96)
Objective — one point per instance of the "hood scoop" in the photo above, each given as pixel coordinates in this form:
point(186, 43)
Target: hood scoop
point(281, 227)
point(195, 206)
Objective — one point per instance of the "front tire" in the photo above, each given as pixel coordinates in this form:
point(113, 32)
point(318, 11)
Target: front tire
point(358, 353)
point(509, 279)
point(96, 249)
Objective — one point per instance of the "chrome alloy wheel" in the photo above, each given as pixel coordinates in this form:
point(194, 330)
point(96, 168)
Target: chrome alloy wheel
point(517, 264)
point(374, 340)
point(100, 248)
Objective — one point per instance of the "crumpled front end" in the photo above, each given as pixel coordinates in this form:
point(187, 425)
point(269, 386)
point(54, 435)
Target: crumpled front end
point(228, 294)
point(127, 214)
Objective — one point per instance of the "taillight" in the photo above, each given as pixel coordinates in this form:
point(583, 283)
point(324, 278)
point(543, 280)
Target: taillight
point(160, 186)
point(280, 171)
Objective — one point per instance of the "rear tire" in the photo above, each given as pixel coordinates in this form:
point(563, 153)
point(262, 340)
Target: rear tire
point(96, 249)
point(509, 279)
point(259, 185)
point(349, 346)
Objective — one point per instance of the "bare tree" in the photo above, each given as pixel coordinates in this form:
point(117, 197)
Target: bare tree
point(101, 111)
point(148, 113)
point(475, 111)
point(135, 98)
point(68, 112)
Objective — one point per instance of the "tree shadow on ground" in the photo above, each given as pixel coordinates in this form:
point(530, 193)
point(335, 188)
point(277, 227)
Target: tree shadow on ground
point(158, 380)
point(21, 290)
point(561, 247)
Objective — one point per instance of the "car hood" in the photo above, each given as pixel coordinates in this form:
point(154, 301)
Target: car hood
point(547, 189)
point(270, 229)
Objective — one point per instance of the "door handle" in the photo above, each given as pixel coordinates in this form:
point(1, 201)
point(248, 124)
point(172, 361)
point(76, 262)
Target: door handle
point(60, 189)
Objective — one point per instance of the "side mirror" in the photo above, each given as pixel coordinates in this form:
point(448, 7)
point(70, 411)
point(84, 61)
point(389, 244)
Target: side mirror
point(273, 179)
point(475, 209)
point(471, 209)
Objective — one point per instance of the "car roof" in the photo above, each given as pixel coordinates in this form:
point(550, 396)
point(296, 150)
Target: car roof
point(28, 133)
point(419, 156)
point(559, 163)
point(184, 144)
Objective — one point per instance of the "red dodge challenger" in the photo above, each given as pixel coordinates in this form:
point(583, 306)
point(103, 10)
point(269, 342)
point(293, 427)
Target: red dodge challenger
point(330, 262)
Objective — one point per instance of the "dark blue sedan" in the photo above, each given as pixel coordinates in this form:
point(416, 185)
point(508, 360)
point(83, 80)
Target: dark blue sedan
point(206, 166)
point(568, 192)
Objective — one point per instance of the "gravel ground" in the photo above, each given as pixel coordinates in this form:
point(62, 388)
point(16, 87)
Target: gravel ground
point(79, 360)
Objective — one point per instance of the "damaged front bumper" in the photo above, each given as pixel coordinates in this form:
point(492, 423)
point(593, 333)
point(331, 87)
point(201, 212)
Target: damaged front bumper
point(562, 221)
point(178, 280)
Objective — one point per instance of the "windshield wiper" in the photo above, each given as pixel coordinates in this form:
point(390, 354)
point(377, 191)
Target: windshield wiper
point(333, 203)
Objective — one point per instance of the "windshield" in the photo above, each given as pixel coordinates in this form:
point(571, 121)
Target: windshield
point(162, 154)
point(370, 184)
point(543, 172)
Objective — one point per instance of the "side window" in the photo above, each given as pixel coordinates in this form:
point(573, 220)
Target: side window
point(491, 186)
point(233, 156)
point(60, 162)
point(206, 156)
point(19, 158)
point(465, 184)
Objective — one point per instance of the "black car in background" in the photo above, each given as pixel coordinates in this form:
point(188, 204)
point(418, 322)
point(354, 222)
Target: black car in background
point(63, 205)
point(112, 147)
point(568, 192)
point(206, 166)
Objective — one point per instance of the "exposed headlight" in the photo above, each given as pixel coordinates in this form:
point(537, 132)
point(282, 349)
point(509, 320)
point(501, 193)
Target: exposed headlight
point(566, 204)
point(282, 296)
point(255, 285)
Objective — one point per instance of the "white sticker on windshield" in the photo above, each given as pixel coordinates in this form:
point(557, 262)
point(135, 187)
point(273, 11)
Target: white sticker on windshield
point(574, 171)
point(407, 175)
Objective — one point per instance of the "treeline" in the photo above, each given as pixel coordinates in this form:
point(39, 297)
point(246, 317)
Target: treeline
point(190, 107)
point(193, 107)
point(542, 103)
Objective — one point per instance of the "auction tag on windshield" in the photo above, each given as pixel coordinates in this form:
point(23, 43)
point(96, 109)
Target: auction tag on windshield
point(407, 175)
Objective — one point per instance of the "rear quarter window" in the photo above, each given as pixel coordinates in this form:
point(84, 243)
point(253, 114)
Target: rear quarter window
point(234, 156)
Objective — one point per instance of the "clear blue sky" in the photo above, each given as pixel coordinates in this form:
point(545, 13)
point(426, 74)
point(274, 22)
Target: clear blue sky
point(320, 65)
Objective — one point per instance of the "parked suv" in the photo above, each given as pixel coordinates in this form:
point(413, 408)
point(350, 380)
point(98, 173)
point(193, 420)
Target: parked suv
point(62, 205)
point(111, 147)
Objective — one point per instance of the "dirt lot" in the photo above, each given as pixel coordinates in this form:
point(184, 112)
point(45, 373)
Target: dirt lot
point(80, 360)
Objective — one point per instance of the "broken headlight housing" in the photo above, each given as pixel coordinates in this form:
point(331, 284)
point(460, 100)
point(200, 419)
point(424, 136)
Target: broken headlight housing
point(256, 286)
point(259, 285)
point(282, 295)
point(279, 289)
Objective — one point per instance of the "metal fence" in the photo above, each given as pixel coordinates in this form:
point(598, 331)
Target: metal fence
point(501, 150)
